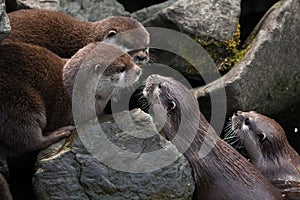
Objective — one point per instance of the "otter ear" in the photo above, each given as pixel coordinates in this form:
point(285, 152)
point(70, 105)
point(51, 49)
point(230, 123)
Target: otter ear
point(262, 136)
point(98, 69)
point(171, 105)
point(111, 33)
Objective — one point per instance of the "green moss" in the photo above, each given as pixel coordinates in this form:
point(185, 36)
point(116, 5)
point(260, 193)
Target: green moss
point(225, 54)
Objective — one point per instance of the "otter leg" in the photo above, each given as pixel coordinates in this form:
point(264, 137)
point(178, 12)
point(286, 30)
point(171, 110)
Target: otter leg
point(27, 136)
point(63, 131)
point(4, 189)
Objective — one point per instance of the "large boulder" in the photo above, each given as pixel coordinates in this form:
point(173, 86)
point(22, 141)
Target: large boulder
point(87, 10)
point(71, 169)
point(4, 21)
point(214, 24)
point(209, 18)
point(267, 79)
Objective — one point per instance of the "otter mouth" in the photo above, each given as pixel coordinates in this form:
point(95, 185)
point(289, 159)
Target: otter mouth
point(149, 89)
point(243, 130)
point(233, 131)
point(140, 56)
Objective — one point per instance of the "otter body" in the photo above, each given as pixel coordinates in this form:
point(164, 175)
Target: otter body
point(65, 35)
point(30, 102)
point(267, 145)
point(219, 171)
point(34, 94)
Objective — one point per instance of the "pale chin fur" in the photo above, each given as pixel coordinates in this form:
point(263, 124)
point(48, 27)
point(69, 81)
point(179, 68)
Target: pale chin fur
point(145, 93)
point(113, 42)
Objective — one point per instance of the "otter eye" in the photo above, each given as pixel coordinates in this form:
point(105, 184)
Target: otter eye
point(122, 69)
point(159, 85)
point(247, 121)
point(171, 105)
point(111, 33)
point(262, 136)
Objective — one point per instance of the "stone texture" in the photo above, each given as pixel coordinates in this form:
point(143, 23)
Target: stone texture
point(210, 18)
point(70, 170)
point(87, 10)
point(267, 79)
point(212, 23)
point(4, 21)
point(147, 13)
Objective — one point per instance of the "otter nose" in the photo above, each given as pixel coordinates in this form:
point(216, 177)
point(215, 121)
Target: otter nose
point(141, 58)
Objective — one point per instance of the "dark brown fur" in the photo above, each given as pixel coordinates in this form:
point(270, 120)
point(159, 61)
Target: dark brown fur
point(223, 173)
point(4, 189)
point(269, 150)
point(36, 88)
point(30, 102)
point(65, 35)
point(34, 98)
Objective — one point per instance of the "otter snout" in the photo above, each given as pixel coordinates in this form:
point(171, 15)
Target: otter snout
point(140, 56)
point(237, 120)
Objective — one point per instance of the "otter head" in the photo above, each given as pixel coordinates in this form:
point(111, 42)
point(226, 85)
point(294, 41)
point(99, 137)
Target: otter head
point(261, 136)
point(176, 106)
point(126, 33)
point(119, 73)
point(94, 73)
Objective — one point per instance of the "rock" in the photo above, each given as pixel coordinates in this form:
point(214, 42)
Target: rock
point(209, 18)
point(4, 21)
point(12, 5)
point(86, 10)
point(267, 79)
point(211, 23)
point(71, 169)
point(146, 13)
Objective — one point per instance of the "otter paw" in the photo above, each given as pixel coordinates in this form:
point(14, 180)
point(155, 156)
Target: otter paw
point(62, 132)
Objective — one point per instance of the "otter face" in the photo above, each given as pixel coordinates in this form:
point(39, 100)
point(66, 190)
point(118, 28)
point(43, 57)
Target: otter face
point(123, 72)
point(157, 91)
point(129, 35)
point(175, 108)
point(259, 134)
point(244, 124)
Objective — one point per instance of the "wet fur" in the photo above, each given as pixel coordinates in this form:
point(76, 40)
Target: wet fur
point(223, 173)
point(34, 97)
point(272, 156)
point(30, 101)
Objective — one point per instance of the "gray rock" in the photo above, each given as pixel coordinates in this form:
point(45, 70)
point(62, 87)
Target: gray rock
point(212, 23)
point(87, 10)
point(147, 13)
point(4, 21)
point(267, 79)
point(71, 169)
point(210, 18)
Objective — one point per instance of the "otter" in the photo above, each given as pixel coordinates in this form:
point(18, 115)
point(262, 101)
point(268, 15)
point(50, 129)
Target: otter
point(219, 171)
point(35, 90)
point(65, 35)
point(4, 189)
point(266, 143)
